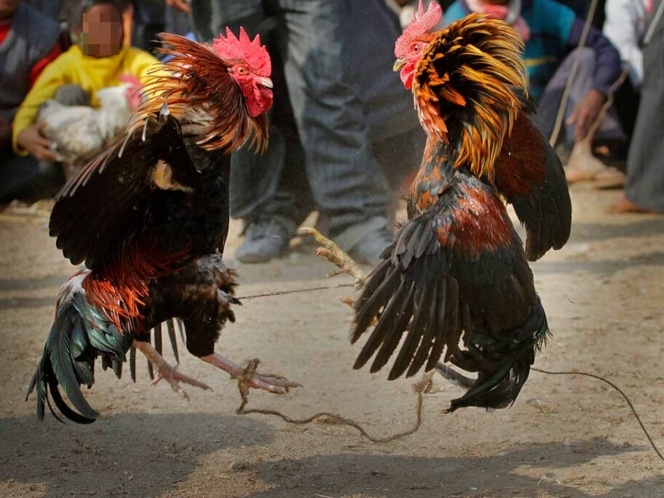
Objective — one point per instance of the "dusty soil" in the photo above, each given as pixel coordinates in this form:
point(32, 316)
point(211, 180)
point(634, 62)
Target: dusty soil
point(564, 437)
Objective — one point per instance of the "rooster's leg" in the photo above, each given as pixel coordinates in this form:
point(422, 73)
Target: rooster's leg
point(166, 371)
point(271, 383)
point(335, 255)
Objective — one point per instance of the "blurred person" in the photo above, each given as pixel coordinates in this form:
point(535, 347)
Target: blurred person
point(625, 27)
point(98, 60)
point(151, 17)
point(275, 199)
point(552, 32)
point(329, 135)
point(29, 40)
point(50, 8)
point(644, 188)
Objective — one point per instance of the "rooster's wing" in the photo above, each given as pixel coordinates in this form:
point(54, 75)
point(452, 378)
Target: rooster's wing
point(112, 202)
point(531, 177)
point(456, 271)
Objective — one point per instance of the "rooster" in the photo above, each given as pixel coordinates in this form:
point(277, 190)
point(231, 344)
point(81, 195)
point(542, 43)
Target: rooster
point(456, 280)
point(81, 132)
point(149, 217)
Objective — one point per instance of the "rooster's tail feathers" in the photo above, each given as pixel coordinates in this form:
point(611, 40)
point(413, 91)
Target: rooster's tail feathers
point(68, 360)
point(503, 365)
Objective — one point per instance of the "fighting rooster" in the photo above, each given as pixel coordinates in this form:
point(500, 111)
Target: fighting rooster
point(148, 217)
point(456, 280)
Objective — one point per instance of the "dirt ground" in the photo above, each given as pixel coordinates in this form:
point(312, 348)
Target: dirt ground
point(564, 437)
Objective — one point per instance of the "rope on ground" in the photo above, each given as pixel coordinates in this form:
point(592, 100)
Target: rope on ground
point(294, 291)
point(420, 388)
point(622, 393)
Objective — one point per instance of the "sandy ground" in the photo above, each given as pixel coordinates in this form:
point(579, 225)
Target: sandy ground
point(565, 436)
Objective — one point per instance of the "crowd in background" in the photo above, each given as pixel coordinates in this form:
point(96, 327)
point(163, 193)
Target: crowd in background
point(344, 139)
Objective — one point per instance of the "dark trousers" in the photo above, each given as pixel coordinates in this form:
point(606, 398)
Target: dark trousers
point(645, 160)
point(346, 182)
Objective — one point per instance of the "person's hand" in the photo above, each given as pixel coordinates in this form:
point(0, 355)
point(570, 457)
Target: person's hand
point(32, 140)
point(585, 113)
point(181, 5)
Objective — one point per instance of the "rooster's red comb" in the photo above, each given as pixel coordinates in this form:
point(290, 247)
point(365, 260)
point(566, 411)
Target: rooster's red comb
point(242, 47)
point(422, 22)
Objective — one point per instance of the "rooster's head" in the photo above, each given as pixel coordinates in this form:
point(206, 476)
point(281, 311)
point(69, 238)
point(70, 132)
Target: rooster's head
point(223, 91)
point(414, 39)
point(250, 67)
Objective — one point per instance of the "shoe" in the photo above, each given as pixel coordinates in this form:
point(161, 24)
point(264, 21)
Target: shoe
point(265, 239)
point(370, 247)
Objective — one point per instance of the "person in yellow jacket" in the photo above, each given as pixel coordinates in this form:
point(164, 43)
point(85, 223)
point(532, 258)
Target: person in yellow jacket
point(98, 60)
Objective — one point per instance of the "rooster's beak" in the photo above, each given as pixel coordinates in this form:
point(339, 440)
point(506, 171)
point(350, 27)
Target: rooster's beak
point(398, 64)
point(266, 82)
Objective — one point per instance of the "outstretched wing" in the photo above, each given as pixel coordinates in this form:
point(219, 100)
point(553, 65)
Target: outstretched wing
point(531, 177)
point(108, 204)
point(457, 271)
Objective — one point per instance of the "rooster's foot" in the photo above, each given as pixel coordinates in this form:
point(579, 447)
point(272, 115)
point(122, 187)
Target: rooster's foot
point(168, 372)
point(248, 376)
point(335, 255)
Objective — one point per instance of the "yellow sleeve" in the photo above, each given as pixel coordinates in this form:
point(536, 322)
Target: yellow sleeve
point(52, 78)
point(140, 63)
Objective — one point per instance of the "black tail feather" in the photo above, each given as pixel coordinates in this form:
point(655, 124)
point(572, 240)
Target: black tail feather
point(503, 365)
point(68, 360)
point(57, 368)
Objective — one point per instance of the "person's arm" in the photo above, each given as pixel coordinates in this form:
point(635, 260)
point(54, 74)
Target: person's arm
point(607, 59)
point(181, 5)
point(25, 133)
point(620, 27)
point(607, 70)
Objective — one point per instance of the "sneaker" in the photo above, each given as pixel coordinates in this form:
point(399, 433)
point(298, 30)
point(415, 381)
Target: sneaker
point(265, 240)
point(370, 247)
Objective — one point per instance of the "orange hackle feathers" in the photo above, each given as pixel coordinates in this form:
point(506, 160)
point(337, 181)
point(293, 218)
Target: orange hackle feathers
point(471, 81)
point(421, 23)
point(198, 88)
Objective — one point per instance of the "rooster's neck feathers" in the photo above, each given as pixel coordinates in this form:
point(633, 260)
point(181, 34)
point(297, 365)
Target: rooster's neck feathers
point(199, 89)
point(469, 88)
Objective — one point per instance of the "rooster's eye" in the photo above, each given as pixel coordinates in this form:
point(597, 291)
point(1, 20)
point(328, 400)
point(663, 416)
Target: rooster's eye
point(416, 48)
point(241, 71)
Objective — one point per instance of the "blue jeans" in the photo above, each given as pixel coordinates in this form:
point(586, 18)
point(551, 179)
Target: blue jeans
point(346, 182)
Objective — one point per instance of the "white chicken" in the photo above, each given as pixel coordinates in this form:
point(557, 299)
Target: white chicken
point(80, 132)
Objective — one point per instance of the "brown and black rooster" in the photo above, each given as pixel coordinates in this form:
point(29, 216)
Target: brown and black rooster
point(456, 281)
point(149, 217)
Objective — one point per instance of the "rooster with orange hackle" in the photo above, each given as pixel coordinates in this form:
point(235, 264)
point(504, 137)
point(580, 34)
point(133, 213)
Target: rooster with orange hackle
point(455, 285)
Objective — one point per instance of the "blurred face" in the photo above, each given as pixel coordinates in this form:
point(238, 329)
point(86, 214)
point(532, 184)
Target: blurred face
point(7, 7)
point(101, 31)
